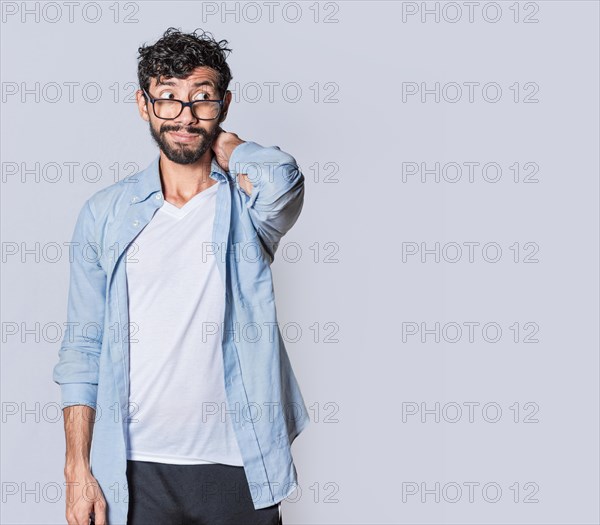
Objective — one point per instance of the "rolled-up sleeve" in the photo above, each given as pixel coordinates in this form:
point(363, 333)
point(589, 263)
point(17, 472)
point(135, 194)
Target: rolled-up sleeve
point(77, 369)
point(277, 190)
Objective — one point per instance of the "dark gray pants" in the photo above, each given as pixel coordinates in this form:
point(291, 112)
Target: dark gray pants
point(206, 494)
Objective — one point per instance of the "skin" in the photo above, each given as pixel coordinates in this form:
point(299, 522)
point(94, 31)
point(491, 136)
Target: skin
point(83, 491)
point(185, 166)
point(184, 172)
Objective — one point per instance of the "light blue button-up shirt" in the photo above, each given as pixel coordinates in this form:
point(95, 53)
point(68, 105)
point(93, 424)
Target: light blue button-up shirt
point(264, 400)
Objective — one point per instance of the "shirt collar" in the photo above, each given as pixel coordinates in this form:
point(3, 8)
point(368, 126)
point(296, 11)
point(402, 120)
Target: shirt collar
point(148, 182)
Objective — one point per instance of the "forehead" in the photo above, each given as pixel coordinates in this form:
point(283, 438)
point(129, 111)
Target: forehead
point(201, 76)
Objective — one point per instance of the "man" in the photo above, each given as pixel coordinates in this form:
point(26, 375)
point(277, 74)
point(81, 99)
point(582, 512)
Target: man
point(180, 403)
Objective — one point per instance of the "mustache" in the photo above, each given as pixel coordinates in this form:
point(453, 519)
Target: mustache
point(194, 131)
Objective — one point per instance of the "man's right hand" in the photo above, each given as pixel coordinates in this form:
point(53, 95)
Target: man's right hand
point(84, 495)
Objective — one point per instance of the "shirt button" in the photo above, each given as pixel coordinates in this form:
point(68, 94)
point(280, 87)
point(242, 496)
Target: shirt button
point(134, 198)
point(136, 223)
point(158, 196)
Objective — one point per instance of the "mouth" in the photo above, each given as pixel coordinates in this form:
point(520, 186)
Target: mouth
point(183, 137)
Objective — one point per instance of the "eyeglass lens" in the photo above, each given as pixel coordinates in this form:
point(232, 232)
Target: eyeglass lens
point(202, 109)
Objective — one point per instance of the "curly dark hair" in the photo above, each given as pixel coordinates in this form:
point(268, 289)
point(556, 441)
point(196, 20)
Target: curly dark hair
point(177, 54)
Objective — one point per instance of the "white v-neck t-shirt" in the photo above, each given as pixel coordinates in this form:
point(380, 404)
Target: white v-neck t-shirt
point(178, 410)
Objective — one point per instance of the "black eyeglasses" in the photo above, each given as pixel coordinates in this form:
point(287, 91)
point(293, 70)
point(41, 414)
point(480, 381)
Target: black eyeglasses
point(171, 108)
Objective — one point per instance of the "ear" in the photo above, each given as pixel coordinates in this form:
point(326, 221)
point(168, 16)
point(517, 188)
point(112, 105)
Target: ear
point(143, 105)
point(225, 106)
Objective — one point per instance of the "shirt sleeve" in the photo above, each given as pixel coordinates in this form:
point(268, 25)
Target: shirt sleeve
point(277, 190)
point(77, 369)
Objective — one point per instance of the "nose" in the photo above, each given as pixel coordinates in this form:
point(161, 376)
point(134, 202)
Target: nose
point(186, 117)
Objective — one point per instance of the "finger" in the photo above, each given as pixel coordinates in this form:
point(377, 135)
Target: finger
point(100, 513)
point(75, 519)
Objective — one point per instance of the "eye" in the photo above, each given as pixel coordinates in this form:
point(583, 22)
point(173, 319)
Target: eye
point(165, 94)
point(203, 95)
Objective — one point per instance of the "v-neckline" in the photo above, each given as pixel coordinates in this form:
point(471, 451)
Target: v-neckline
point(193, 203)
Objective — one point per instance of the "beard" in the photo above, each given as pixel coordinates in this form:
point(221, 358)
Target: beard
point(181, 152)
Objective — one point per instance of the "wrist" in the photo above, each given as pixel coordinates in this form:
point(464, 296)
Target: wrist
point(76, 468)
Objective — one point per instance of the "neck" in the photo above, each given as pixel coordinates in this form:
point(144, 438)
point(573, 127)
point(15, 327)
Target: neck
point(181, 182)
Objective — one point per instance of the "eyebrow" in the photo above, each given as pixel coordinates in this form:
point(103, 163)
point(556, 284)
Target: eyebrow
point(195, 84)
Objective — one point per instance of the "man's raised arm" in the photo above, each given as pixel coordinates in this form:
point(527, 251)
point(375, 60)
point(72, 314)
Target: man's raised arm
point(277, 189)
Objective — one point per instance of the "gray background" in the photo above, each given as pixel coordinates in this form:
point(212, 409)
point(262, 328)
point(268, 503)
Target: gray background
point(350, 290)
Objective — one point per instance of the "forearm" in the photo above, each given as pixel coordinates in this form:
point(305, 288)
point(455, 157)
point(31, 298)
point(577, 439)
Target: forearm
point(79, 426)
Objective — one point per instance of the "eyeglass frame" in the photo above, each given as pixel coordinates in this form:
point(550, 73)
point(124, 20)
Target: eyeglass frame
point(184, 105)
